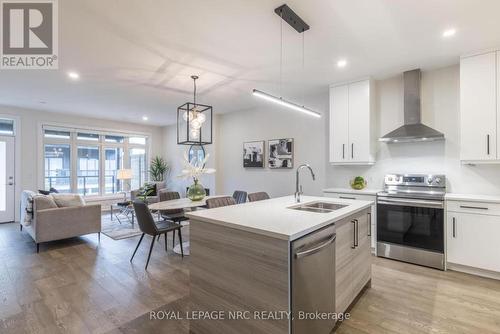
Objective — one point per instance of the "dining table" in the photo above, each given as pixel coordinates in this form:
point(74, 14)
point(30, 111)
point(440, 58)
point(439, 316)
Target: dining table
point(177, 204)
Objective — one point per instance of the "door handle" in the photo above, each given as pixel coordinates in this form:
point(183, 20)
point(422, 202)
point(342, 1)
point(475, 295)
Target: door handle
point(357, 232)
point(369, 224)
point(488, 144)
point(316, 249)
point(343, 151)
point(454, 228)
point(473, 207)
point(352, 150)
point(343, 197)
point(354, 235)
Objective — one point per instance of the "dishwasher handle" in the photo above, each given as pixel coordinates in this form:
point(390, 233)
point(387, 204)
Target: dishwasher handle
point(316, 249)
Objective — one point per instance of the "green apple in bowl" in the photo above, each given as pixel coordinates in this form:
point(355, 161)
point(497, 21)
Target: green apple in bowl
point(358, 183)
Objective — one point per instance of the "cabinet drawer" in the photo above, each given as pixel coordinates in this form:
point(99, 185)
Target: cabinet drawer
point(473, 207)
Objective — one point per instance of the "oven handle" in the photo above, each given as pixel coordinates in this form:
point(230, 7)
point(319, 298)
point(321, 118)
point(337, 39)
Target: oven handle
point(411, 202)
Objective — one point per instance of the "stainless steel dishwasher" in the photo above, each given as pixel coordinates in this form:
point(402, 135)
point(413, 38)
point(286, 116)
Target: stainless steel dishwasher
point(313, 281)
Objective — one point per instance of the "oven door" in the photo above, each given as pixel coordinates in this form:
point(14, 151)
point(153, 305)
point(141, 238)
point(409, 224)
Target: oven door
point(411, 222)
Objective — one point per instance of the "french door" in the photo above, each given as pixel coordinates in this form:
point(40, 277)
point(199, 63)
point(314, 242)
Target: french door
point(7, 188)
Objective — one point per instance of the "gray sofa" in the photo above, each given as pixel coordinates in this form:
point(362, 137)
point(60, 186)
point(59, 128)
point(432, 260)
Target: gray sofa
point(55, 222)
point(162, 185)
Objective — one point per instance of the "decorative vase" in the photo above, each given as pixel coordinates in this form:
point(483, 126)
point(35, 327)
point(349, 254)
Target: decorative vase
point(196, 192)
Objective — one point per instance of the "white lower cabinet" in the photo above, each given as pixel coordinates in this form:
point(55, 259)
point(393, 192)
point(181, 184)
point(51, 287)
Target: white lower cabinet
point(473, 238)
point(373, 214)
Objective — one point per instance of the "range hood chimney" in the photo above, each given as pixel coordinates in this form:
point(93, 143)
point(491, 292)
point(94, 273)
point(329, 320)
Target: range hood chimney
point(412, 130)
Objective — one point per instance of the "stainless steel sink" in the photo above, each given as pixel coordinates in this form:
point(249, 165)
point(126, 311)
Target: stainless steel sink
point(319, 207)
point(325, 205)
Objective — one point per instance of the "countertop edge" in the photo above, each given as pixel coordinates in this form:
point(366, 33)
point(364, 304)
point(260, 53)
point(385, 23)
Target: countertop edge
point(275, 234)
point(370, 192)
point(472, 198)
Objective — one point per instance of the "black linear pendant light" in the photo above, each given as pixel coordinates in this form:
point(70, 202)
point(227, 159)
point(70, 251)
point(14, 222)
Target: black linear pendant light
point(289, 16)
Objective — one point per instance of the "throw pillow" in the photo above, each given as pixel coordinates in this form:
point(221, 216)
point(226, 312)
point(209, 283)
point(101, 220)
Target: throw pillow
point(43, 202)
point(54, 190)
point(149, 189)
point(68, 200)
point(48, 192)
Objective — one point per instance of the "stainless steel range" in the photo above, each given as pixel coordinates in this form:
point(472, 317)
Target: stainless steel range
point(410, 219)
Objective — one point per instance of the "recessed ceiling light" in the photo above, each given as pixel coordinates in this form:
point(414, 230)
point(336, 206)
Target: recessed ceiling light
point(449, 33)
point(342, 63)
point(74, 75)
point(145, 118)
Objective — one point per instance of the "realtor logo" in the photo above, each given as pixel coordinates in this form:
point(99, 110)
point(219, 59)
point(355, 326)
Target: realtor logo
point(29, 34)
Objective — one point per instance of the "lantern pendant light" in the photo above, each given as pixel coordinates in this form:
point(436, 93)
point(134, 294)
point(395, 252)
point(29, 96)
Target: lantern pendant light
point(194, 121)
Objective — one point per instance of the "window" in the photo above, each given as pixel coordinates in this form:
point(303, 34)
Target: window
point(6, 127)
point(137, 163)
point(137, 140)
point(57, 134)
point(113, 161)
point(87, 161)
point(88, 170)
point(87, 136)
point(58, 167)
point(114, 139)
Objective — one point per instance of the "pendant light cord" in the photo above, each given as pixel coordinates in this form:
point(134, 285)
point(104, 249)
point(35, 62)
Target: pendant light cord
point(194, 91)
point(281, 54)
point(303, 67)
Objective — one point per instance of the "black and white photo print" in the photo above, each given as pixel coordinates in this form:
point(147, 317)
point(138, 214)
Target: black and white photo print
point(280, 153)
point(253, 154)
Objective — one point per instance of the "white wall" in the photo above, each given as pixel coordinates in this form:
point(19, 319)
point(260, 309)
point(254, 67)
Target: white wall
point(30, 166)
point(440, 110)
point(264, 123)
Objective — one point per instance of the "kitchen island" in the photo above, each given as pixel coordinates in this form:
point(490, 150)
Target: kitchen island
point(243, 269)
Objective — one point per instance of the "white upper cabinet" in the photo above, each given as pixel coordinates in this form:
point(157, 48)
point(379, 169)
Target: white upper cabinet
point(478, 108)
point(351, 123)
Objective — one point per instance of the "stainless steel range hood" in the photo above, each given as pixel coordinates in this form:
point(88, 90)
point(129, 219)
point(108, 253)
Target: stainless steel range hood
point(412, 130)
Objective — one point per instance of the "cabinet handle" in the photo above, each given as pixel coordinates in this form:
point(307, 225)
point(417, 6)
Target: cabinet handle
point(343, 197)
point(343, 151)
point(354, 235)
point(357, 232)
point(369, 224)
point(473, 207)
point(454, 228)
point(488, 144)
point(352, 151)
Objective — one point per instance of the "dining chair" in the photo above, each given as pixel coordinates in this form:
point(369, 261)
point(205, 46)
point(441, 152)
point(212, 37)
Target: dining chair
point(148, 226)
point(175, 215)
point(240, 196)
point(220, 201)
point(260, 196)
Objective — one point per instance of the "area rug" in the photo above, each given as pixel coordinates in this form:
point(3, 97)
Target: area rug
point(116, 230)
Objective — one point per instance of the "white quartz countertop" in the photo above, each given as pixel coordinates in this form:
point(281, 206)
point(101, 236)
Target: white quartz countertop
point(274, 218)
point(473, 198)
point(352, 191)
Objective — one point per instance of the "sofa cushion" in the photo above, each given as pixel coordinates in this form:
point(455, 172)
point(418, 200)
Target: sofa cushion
point(68, 200)
point(43, 202)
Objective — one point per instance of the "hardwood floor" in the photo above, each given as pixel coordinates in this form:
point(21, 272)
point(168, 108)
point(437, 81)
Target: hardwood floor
point(75, 286)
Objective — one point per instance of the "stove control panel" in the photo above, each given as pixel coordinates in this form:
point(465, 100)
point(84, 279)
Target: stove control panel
point(418, 180)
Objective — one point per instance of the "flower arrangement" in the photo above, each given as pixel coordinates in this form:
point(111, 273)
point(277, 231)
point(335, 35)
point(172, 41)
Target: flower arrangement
point(195, 169)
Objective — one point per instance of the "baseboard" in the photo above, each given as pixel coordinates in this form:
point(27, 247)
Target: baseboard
point(473, 271)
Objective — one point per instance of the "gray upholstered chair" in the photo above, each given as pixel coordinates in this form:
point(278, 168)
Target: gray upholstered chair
point(240, 196)
point(220, 201)
point(148, 226)
point(260, 196)
point(176, 215)
point(160, 185)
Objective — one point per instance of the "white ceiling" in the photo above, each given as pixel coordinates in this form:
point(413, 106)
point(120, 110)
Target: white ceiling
point(135, 58)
